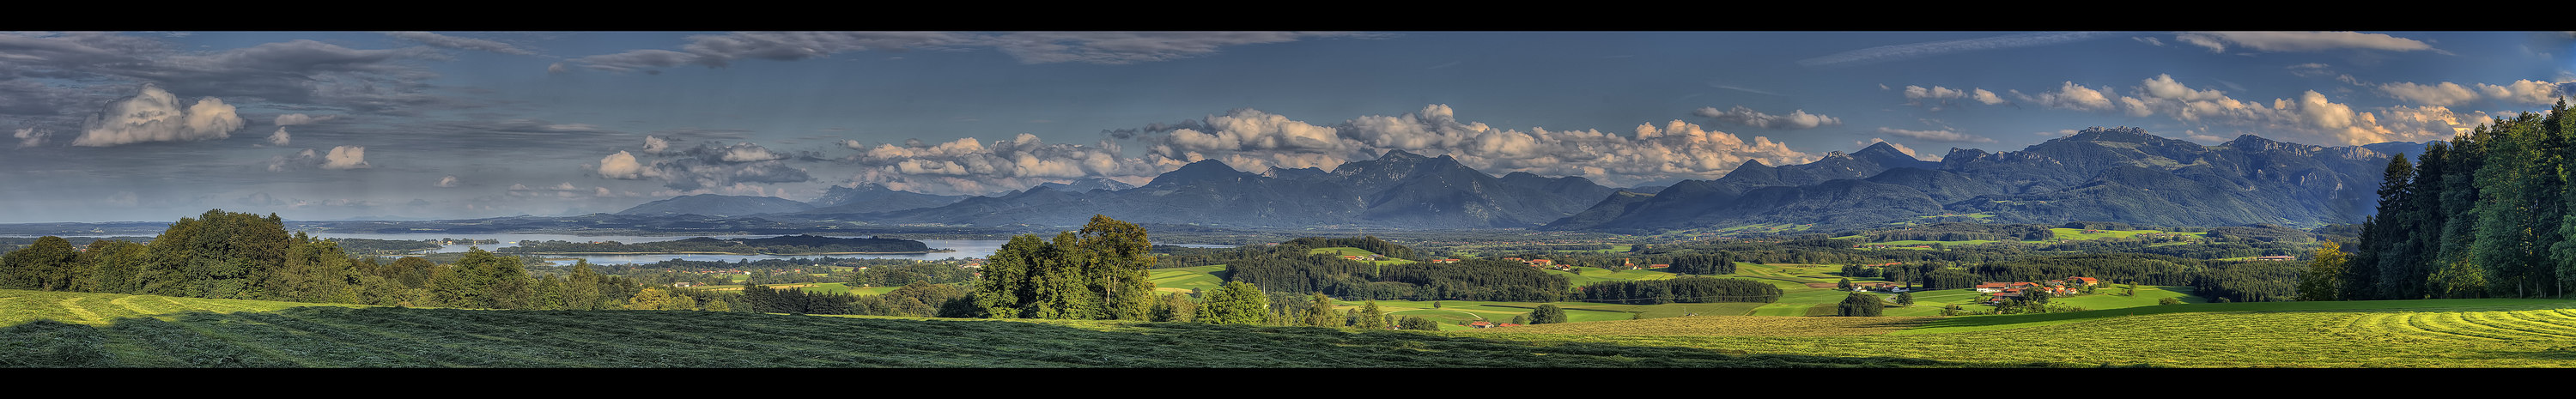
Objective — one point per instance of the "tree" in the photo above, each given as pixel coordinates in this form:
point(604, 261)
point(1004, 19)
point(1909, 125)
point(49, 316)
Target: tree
point(2168, 301)
point(1417, 323)
point(1319, 312)
point(1371, 317)
point(1845, 284)
point(1522, 319)
point(649, 299)
point(1952, 310)
point(2325, 276)
point(1235, 303)
point(1905, 298)
point(1176, 307)
point(1547, 314)
point(1096, 273)
point(48, 265)
point(1860, 304)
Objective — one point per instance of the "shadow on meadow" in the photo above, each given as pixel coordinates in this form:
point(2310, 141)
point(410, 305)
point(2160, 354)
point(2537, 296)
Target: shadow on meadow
point(404, 338)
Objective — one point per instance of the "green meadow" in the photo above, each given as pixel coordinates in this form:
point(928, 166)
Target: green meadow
point(57, 329)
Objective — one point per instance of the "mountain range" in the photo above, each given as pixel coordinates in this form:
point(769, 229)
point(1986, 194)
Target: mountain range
point(2099, 174)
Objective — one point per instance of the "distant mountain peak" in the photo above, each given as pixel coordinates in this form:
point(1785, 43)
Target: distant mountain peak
point(1402, 154)
point(1203, 170)
point(2122, 134)
point(1880, 149)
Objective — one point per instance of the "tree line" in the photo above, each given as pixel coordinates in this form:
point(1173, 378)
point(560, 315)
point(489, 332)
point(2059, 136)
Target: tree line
point(2483, 215)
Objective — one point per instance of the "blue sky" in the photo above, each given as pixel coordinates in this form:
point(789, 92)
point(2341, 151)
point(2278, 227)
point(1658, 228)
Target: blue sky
point(153, 126)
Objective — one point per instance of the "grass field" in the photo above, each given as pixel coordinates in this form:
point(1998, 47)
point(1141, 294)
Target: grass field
point(1359, 252)
point(1182, 279)
point(55, 329)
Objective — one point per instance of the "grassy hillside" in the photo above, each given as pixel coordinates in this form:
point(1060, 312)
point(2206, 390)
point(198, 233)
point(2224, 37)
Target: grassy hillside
point(109, 330)
point(1182, 279)
point(46, 329)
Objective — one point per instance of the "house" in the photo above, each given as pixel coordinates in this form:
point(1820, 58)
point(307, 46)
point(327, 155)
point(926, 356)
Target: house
point(2086, 281)
point(1444, 261)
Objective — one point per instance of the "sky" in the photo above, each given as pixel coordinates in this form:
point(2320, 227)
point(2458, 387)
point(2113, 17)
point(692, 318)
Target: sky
point(154, 126)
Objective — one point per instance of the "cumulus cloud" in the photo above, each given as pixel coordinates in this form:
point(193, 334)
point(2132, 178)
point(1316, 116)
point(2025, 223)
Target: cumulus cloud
point(1936, 96)
point(968, 166)
point(622, 165)
point(339, 158)
point(656, 145)
point(460, 43)
point(2273, 42)
point(2072, 96)
point(30, 137)
point(2445, 93)
point(155, 115)
point(280, 138)
point(1936, 135)
point(449, 181)
point(2532, 92)
point(1796, 119)
point(2309, 117)
point(345, 157)
point(706, 166)
point(1028, 47)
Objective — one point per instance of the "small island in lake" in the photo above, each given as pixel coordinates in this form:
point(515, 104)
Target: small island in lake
point(782, 245)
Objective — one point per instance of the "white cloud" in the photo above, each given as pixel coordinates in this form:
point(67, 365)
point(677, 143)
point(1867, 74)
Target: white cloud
point(345, 157)
point(656, 145)
point(746, 152)
point(2313, 117)
point(1256, 141)
point(30, 137)
point(280, 138)
point(623, 166)
point(155, 115)
point(1936, 135)
point(449, 181)
point(1916, 95)
point(301, 119)
point(2073, 96)
point(2532, 92)
point(1796, 119)
point(2272, 42)
point(2445, 93)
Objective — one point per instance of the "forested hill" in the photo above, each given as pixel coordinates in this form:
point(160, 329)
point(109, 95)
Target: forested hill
point(781, 245)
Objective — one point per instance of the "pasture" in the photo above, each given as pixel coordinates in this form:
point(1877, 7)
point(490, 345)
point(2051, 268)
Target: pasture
point(56, 329)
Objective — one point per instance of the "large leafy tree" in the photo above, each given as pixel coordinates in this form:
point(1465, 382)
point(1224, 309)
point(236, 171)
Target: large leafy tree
point(1096, 273)
point(1547, 314)
point(2324, 279)
point(1235, 303)
point(48, 265)
point(1860, 304)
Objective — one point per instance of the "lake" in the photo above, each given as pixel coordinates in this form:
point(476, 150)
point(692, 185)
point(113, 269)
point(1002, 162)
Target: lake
point(962, 248)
